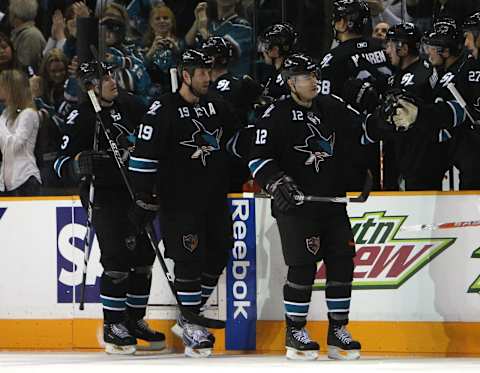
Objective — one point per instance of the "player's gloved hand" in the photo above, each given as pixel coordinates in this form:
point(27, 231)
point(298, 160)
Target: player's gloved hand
point(400, 109)
point(361, 95)
point(286, 194)
point(89, 162)
point(143, 211)
point(406, 115)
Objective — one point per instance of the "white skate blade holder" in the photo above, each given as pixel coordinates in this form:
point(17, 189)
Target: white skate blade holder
point(294, 354)
point(113, 349)
point(336, 353)
point(198, 352)
point(177, 330)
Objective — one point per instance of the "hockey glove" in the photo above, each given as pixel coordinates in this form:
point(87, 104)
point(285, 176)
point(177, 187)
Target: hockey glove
point(400, 109)
point(143, 211)
point(362, 95)
point(285, 192)
point(89, 162)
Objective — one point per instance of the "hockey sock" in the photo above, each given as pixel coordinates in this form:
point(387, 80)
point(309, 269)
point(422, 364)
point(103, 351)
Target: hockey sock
point(139, 282)
point(187, 285)
point(297, 292)
point(338, 290)
point(113, 289)
point(209, 282)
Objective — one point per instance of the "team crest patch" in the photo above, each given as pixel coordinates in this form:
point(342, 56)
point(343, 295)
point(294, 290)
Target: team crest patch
point(317, 147)
point(313, 244)
point(190, 242)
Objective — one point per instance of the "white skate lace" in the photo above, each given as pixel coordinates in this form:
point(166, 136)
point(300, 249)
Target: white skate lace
point(301, 335)
point(343, 334)
point(120, 330)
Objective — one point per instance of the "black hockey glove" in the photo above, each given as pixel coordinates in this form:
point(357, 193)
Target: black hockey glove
point(284, 192)
point(88, 163)
point(400, 109)
point(143, 211)
point(361, 95)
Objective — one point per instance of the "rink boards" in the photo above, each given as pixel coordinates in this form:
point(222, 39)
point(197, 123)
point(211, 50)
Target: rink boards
point(414, 292)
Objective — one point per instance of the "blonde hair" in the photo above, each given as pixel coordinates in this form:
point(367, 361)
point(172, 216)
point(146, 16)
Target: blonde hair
point(53, 55)
point(16, 86)
point(165, 11)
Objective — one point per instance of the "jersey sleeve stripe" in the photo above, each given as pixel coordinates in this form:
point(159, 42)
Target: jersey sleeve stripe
point(142, 165)
point(257, 164)
point(57, 166)
point(232, 145)
point(365, 140)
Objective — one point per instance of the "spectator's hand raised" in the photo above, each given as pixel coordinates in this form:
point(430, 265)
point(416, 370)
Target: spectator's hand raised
point(58, 25)
point(81, 9)
point(201, 16)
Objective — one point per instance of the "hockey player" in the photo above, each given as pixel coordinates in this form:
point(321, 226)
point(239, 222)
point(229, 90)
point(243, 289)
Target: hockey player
point(417, 152)
point(181, 152)
point(300, 147)
point(276, 42)
point(126, 279)
point(356, 57)
point(242, 94)
point(445, 48)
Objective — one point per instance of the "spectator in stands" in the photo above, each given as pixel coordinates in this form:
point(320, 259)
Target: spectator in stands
point(380, 30)
point(130, 74)
point(27, 39)
point(19, 174)
point(425, 11)
point(6, 53)
point(162, 48)
point(389, 11)
point(220, 18)
point(57, 36)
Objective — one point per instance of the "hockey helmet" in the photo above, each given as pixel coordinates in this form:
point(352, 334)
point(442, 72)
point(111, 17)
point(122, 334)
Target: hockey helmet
point(281, 35)
point(219, 48)
point(356, 12)
point(445, 34)
point(196, 58)
point(405, 33)
point(91, 72)
point(299, 64)
point(472, 23)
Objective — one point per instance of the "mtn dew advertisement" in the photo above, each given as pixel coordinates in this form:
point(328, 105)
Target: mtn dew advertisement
point(383, 260)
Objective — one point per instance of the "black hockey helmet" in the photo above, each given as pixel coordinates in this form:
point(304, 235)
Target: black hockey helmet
point(445, 34)
point(405, 33)
point(91, 72)
point(281, 35)
point(219, 48)
point(299, 64)
point(472, 23)
point(356, 12)
point(196, 58)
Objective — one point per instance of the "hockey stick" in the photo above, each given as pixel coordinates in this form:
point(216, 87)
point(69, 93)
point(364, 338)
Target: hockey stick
point(362, 197)
point(433, 227)
point(457, 95)
point(187, 314)
point(88, 239)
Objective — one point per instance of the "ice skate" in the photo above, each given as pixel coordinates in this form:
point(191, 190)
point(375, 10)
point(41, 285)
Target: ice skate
point(341, 346)
point(140, 330)
point(198, 341)
point(299, 345)
point(118, 340)
point(177, 329)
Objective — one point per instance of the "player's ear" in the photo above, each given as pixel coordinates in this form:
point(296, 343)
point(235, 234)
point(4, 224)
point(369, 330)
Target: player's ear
point(186, 76)
point(291, 84)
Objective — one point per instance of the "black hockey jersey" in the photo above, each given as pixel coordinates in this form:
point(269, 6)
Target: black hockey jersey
point(359, 58)
point(275, 87)
point(181, 148)
point(417, 149)
point(309, 144)
point(120, 119)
